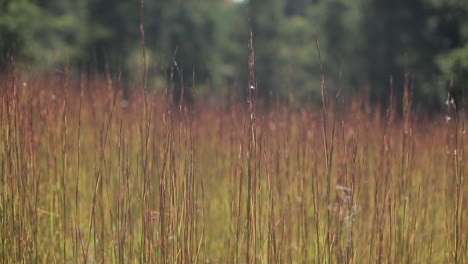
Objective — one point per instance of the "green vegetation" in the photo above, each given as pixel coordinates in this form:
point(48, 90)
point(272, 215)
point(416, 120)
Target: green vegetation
point(364, 44)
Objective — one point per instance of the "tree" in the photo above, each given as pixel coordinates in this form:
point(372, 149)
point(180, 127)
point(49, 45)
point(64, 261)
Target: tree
point(18, 26)
point(266, 21)
point(397, 39)
point(452, 35)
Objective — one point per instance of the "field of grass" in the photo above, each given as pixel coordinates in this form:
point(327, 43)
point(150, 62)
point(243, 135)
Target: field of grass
point(87, 177)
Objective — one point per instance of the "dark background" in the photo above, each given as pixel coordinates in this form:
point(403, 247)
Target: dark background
point(363, 43)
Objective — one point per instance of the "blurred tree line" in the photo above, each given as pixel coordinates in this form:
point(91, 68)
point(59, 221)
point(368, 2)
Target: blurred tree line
point(363, 44)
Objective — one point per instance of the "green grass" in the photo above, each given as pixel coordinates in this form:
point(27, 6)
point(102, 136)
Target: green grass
point(86, 180)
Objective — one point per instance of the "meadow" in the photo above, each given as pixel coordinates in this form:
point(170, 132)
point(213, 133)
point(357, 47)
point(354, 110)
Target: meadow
point(87, 176)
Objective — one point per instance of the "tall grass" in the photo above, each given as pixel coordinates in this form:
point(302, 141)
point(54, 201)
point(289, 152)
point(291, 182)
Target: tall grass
point(88, 178)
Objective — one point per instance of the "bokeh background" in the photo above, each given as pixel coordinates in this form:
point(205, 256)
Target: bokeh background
point(363, 44)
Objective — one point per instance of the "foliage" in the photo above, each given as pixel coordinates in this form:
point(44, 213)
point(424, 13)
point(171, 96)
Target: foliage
point(39, 34)
point(453, 60)
point(363, 44)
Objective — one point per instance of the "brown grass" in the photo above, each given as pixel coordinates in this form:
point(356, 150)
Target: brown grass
point(87, 179)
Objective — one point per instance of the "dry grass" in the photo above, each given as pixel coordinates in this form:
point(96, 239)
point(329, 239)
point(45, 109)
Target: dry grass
point(87, 179)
